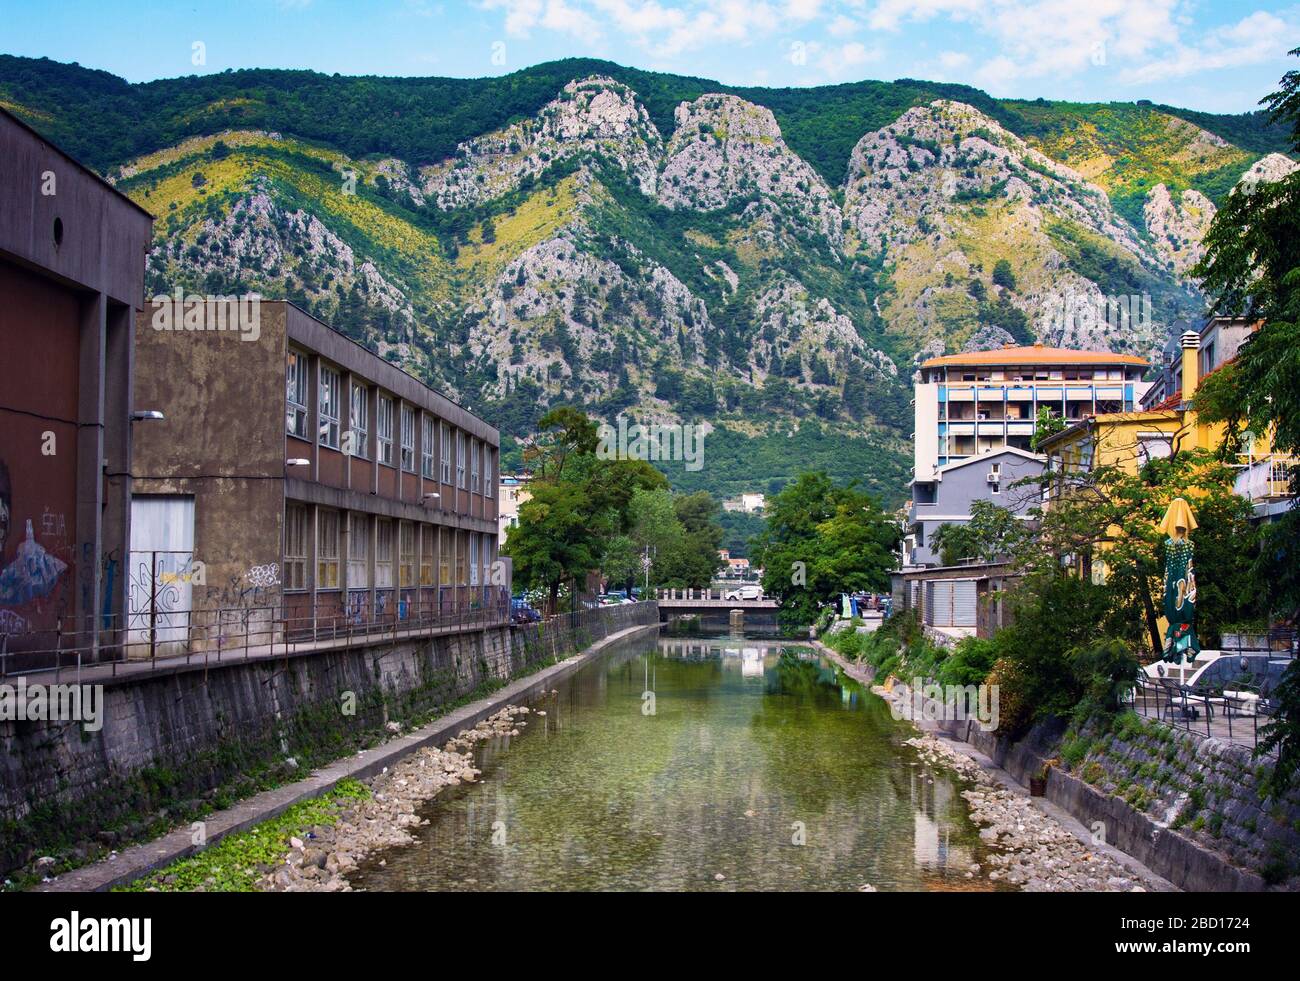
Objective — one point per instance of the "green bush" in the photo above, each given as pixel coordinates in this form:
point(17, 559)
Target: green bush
point(969, 664)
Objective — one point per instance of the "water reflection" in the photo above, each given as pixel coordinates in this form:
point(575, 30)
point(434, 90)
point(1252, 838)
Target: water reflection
point(667, 765)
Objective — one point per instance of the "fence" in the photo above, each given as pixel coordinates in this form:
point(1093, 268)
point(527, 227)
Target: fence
point(1232, 714)
point(175, 635)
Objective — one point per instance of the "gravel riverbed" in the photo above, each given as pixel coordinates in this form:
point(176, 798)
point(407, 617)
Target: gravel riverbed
point(321, 860)
point(1033, 850)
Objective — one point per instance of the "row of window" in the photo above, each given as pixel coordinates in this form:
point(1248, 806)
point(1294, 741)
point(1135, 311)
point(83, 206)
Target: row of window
point(405, 553)
point(356, 441)
point(1031, 374)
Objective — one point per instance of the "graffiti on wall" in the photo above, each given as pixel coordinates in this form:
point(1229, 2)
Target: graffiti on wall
point(30, 576)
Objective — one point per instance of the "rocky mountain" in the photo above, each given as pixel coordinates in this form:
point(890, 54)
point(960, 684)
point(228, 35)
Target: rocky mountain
point(678, 258)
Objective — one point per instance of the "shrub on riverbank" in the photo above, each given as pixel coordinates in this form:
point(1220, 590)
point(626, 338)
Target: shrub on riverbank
point(237, 862)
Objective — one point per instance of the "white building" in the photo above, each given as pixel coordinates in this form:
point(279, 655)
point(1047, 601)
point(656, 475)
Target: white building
point(971, 404)
point(513, 492)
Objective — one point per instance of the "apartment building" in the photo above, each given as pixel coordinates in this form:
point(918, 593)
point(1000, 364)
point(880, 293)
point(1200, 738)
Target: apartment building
point(299, 482)
point(975, 419)
point(1002, 477)
point(72, 253)
point(973, 403)
point(511, 495)
point(1219, 339)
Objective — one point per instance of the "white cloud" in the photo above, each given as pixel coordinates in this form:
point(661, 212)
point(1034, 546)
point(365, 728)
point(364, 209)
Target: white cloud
point(841, 26)
point(999, 43)
point(1254, 39)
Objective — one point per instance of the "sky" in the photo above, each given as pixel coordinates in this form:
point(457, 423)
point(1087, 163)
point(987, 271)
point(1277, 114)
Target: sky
point(1216, 55)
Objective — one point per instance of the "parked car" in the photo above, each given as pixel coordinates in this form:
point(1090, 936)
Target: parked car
point(521, 612)
point(746, 591)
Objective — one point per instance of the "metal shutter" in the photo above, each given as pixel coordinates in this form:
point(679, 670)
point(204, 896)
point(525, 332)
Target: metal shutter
point(963, 604)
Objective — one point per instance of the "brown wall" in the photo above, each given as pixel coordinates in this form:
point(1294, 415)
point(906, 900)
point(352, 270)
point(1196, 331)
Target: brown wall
point(222, 442)
point(40, 329)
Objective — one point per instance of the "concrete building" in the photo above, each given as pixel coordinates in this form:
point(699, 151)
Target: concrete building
point(1219, 340)
point(958, 601)
point(948, 496)
point(970, 404)
point(298, 483)
point(512, 493)
point(72, 254)
point(746, 503)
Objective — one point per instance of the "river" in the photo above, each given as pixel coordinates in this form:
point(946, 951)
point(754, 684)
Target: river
point(753, 764)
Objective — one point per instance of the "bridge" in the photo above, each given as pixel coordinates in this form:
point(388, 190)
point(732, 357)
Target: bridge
point(679, 600)
point(709, 609)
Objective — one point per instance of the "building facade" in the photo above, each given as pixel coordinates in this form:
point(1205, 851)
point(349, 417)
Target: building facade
point(970, 404)
point(72, 253)
point(947, 497)
point(300, 483)
point(1219, 339)
point(511, 494)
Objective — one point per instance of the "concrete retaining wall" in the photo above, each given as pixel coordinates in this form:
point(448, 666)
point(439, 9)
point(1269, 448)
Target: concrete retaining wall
point(1187, 808)
point(173, 744)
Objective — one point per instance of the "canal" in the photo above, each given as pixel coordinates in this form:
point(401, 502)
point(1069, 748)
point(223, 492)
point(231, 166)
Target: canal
point(696, 763)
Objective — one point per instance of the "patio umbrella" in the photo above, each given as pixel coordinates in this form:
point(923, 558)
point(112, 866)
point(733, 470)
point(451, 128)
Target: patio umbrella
point(1180, 583)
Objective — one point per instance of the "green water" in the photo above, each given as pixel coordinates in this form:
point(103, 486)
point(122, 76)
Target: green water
point(760, 763)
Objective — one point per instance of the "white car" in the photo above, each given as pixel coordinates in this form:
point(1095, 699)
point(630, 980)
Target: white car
point(749, 591)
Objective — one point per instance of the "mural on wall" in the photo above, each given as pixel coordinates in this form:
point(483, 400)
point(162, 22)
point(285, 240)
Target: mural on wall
point(30, 578)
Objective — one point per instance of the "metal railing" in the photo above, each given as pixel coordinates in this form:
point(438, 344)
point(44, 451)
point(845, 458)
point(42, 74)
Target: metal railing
point(1195, 708)
point(209, 635)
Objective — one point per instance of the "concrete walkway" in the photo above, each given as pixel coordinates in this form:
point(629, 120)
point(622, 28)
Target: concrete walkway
point(140, 860)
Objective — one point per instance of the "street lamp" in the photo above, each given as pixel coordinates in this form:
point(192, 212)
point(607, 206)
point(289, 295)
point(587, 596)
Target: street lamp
point(298, 461)
point(147, 415)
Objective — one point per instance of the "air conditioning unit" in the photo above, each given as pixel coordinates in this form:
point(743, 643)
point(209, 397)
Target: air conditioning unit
point(993, 477)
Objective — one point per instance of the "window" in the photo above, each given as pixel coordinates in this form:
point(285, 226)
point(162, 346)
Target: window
point(358, 551)
point(358, 444)
point(406, 554)
point(486, 543)
point(295, 547)
point(489, 471)
point(444, 453)
point(427, 533)
point(473, 558)
point(460, 459)
point(474, 486)
point(295, 416)
point(462, 558)
point(327, 550)
point(408, 438)
point(384, 554)
point(385, 430)
point(426, 446)
point(329, 408)
point(1153, 446)
point(444, 557)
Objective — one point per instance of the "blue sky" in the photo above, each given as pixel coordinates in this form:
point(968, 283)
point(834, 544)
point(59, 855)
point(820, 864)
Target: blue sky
point(1205, 54)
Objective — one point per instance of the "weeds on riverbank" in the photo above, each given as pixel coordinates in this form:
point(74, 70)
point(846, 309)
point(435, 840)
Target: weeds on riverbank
point(238, 862)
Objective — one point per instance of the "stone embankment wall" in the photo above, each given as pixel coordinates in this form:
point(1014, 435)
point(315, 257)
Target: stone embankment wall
point(175, 743)
point(1190, 809)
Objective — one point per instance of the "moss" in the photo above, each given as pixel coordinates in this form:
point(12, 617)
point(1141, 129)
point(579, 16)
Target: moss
point(237, 862)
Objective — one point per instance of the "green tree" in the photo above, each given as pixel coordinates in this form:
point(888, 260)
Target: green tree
point(821, 540)
point(1048, 423)
point(1252, 268)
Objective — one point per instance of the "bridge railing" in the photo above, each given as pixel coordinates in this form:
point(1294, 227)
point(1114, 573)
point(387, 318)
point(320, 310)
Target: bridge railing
point(711, 593)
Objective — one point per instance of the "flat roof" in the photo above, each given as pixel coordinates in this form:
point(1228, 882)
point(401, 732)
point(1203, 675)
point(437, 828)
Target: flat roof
point(1033, 354)
point(23, 124)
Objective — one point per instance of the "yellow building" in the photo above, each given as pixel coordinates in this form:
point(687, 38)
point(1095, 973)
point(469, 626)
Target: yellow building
point(1128, 439)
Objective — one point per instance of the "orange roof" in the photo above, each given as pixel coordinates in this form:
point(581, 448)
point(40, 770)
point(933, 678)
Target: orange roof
point(1033, 354)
